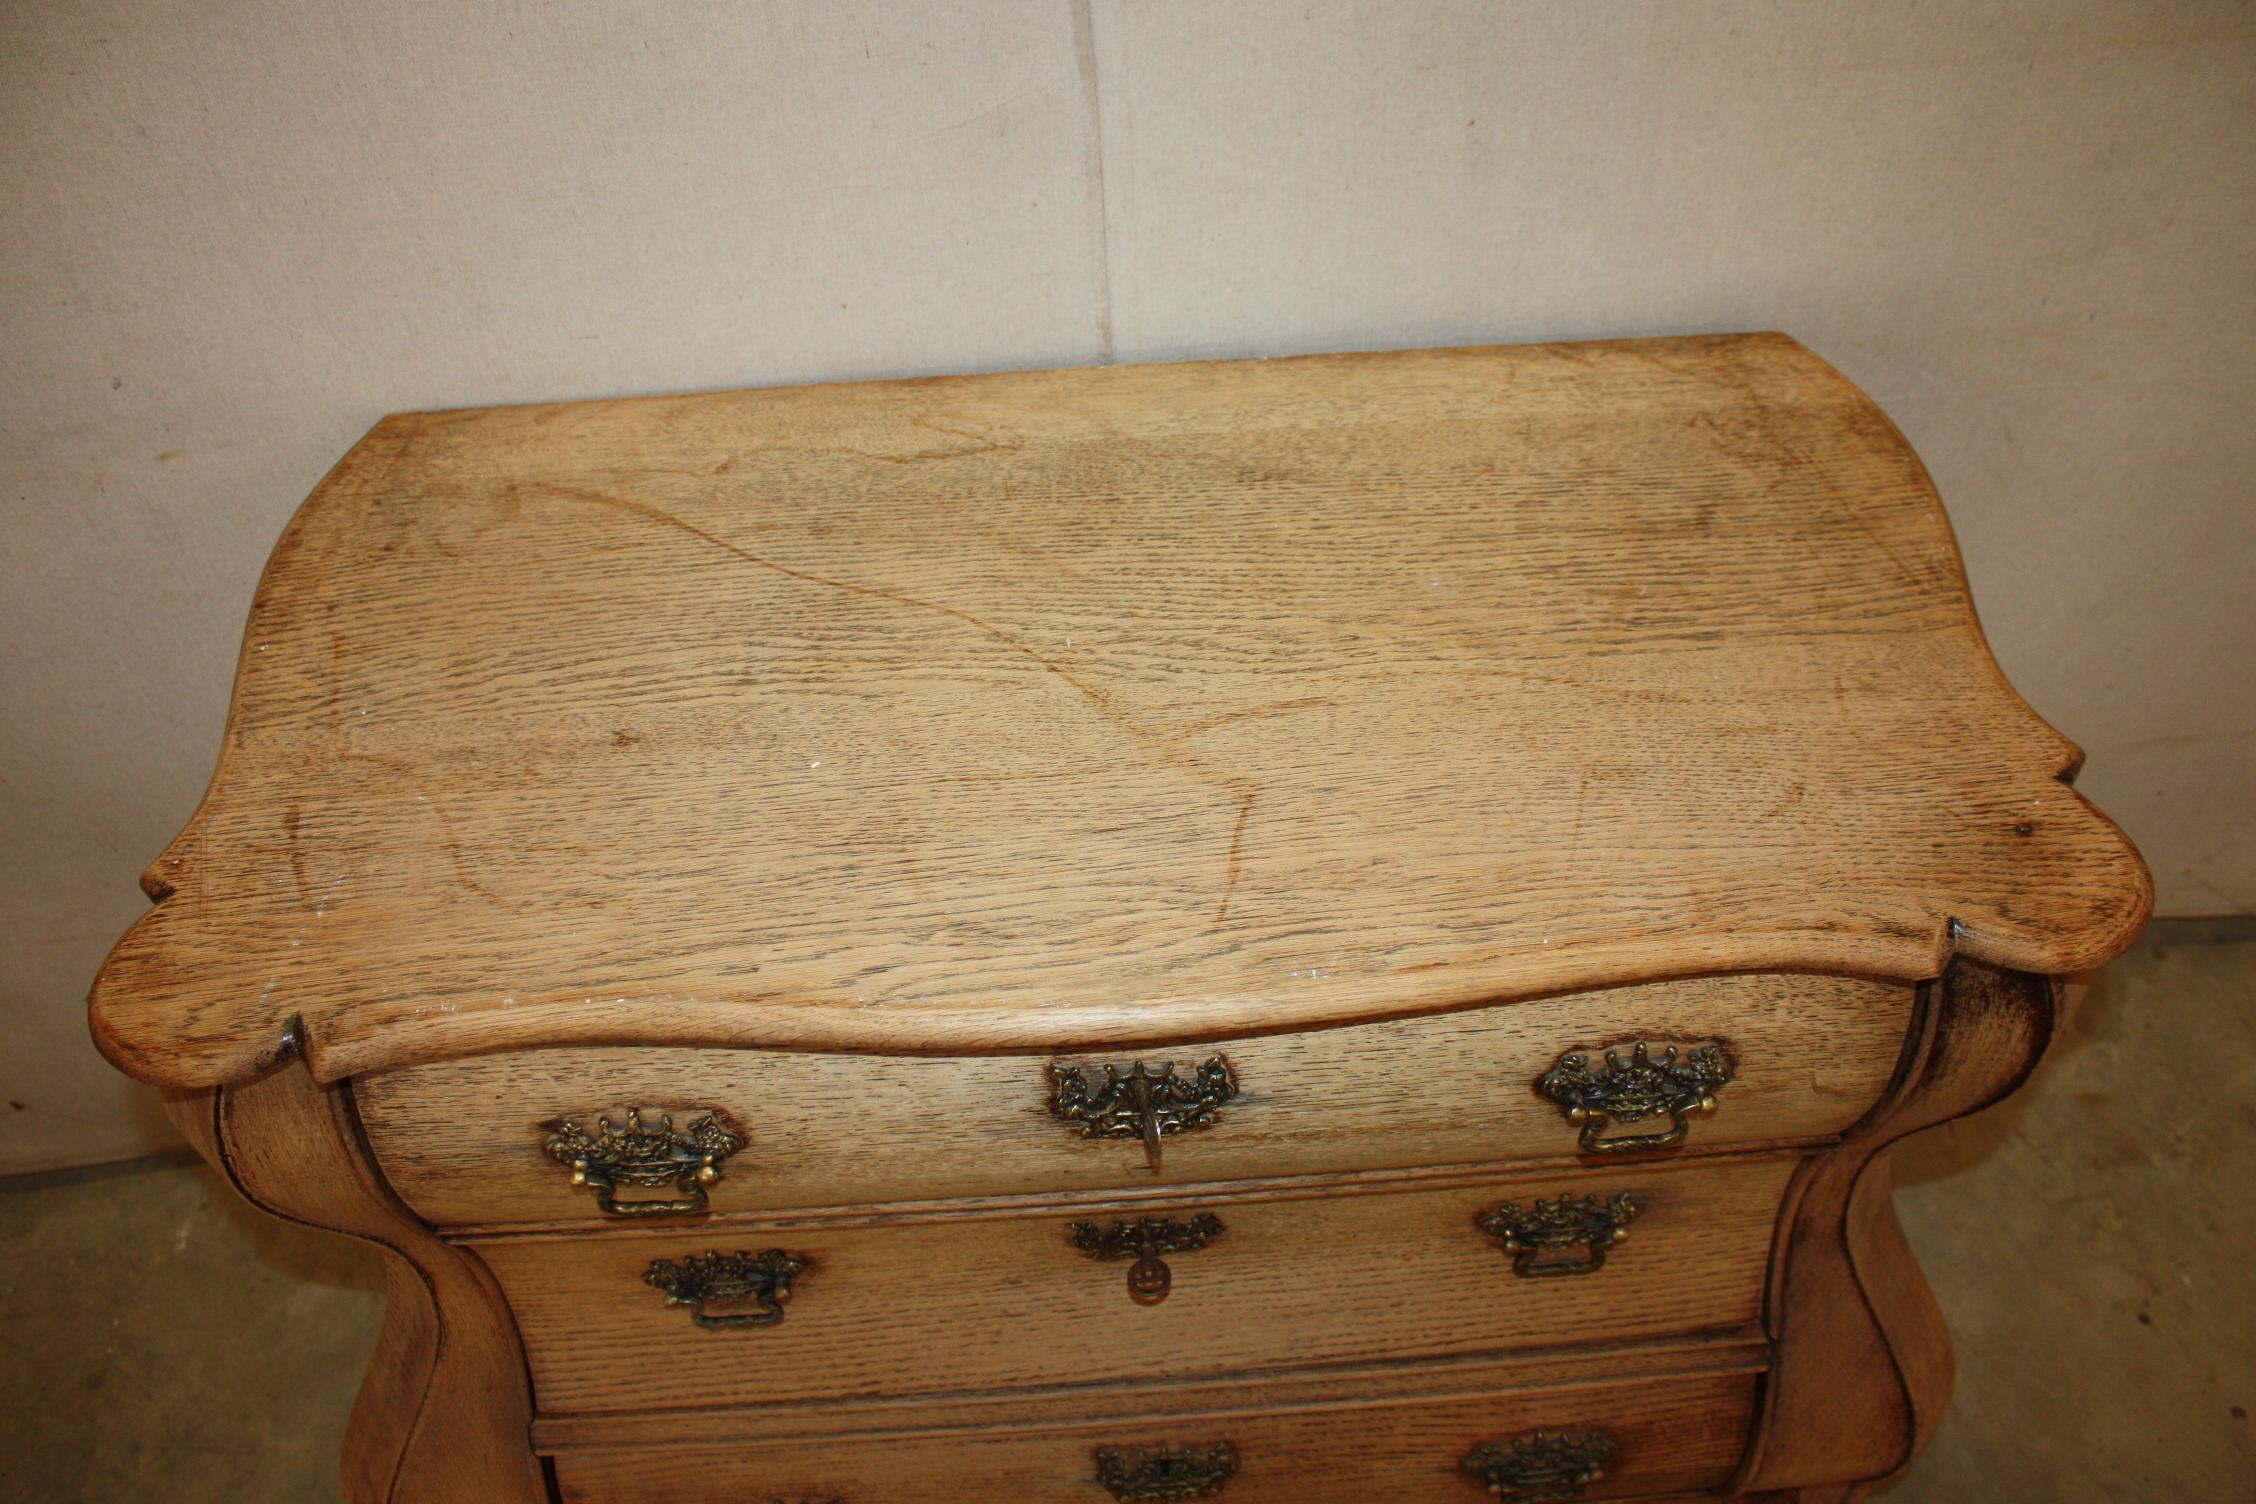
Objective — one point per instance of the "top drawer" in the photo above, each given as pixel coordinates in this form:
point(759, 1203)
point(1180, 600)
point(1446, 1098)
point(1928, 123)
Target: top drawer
point(464, 1141)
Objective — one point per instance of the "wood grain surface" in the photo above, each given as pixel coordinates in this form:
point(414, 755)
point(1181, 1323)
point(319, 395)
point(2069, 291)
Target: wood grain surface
point(1072, 709)
point(943, 1304)
point(462, 1140)
point(1679, 1434)
point(1142, 1399)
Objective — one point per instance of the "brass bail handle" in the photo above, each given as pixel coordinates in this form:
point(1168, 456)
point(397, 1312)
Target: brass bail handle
point(1646, 1085)
point(763, 1279)
point(1543, 1237)
point(611, 1206)
point(1593, 1125)
point(602, 1155)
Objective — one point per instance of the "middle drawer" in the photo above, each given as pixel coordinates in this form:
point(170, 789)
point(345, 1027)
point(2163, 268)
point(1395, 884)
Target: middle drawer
point(892, 1305)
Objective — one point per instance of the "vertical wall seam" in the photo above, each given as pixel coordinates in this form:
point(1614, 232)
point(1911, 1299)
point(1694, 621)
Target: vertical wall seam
point(1085, 50)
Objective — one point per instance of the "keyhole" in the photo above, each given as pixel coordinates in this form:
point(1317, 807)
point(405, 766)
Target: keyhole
point(1149, 1280)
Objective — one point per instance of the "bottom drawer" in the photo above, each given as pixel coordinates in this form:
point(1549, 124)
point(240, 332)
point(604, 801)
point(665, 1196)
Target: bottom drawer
point(1666, 1436)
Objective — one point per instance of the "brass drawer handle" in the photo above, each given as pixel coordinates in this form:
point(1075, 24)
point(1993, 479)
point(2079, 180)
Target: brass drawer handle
point(1149, 1278)
point(1141, 1102)
point(1166, 1473)
point(1646, 1087)
point(1541, 1467)
point(639, 1154)
point(763, 1278)
point(1551, 1227)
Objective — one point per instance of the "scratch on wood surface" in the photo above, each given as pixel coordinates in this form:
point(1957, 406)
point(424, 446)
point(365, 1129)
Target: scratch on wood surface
point(297, 856)
point(1851, 509)
point(1093, 693)
point(1039, 775)
point(981, 443)
point(977, 443)
point(1237, 854)
point(1591, 686)
point(1255, 712)
point(1781, 460)
point(462, 872)
point(1162, 746)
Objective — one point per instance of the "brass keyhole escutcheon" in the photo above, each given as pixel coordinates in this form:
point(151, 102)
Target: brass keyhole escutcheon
point(1104, 1101)
point(1147, 1240)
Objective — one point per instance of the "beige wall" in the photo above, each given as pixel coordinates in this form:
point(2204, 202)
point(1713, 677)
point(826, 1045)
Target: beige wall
point(235, 232)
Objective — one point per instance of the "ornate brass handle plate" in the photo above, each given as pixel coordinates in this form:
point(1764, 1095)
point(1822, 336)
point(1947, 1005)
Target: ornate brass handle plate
point(1553, 1227)
point(1644, 1087)
point(1541, 1467)
point(708, 1278)
point(639, 1154)
point(1141, 1102)
point(1147, 1238)
point(1166, 1474)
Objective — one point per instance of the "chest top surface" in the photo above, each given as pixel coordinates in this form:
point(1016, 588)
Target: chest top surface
point(1093, 707)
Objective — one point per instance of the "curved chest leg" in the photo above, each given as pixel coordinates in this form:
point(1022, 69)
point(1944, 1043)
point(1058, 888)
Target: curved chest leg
point(1863, 1365)
point(443, 1415)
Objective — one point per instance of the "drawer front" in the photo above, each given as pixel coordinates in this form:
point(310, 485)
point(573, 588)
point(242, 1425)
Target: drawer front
point(1670, 1436)
point(464, 1141)
point(892, 1306)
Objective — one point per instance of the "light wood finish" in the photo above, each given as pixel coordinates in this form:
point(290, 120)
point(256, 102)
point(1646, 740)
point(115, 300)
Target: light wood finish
point(841, 757)
point(1678, 1434)
point(442, 1416)
point(1072, 709)
point(957, 1303)
point(462, 1141)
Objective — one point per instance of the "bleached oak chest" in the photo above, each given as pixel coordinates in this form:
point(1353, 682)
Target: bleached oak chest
point(1323, 930)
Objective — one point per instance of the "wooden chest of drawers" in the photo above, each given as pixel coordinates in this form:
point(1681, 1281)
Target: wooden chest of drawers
point(1323, 930)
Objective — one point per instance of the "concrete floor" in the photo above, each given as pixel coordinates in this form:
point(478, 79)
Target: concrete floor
point(2093, 1242)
